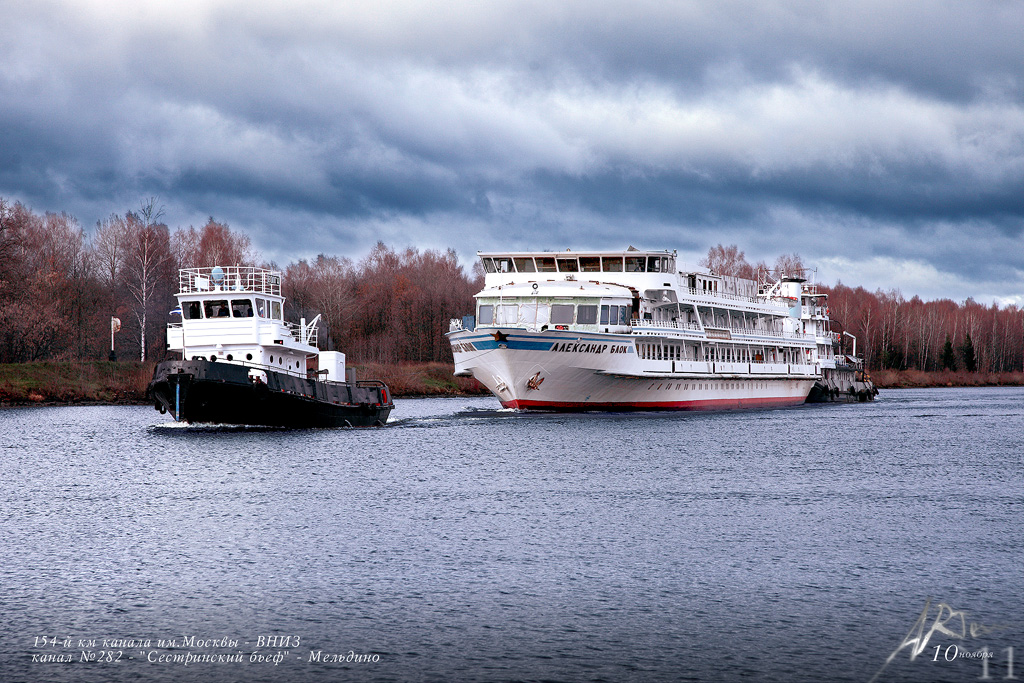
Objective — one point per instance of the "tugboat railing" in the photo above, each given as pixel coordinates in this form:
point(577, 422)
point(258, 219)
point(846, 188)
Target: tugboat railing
point(229, 279)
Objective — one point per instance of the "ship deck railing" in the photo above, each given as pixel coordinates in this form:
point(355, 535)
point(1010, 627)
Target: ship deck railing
point(652, 326)
point(722, 295)
point(229, 279)
point(308, 335)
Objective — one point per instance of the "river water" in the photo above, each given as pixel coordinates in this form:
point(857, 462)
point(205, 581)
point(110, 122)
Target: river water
point(466, 543)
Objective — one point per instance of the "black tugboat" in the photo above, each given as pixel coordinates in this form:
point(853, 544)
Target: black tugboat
point(243, 364)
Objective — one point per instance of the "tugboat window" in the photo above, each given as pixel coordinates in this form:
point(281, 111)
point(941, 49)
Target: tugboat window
point(241, 308)
point(217, 308)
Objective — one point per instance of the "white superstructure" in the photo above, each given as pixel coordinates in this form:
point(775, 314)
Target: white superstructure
point(628, 330)
point(235, 314)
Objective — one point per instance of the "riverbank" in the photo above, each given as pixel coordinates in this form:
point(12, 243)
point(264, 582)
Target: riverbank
point(916, 379)
point(124, 382)
point(91, 382)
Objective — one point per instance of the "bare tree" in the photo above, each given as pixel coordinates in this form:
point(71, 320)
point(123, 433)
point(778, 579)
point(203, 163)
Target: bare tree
point(149, 256)
point(727, 261)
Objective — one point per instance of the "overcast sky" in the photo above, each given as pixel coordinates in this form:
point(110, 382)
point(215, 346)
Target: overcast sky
point(882, 141)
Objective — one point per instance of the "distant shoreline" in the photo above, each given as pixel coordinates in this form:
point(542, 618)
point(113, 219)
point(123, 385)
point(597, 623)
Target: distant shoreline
point(917, 379)
point(65, 383)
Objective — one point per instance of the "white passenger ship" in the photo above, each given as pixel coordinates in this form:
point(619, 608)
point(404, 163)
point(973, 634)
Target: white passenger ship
point(626, 330)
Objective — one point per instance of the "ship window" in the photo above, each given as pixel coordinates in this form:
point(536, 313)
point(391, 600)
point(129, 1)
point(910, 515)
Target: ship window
point(241, 308)
point(489, 266)
point(568, 265)
point(504, 265)
point(604, 315)
point(486, 316)
point(191, 310)
point(533, 313)
point(525, 265)
point(623, 315)
point(590, 264)
point(216, 309)
point(612, 264)
point(275, 310)
point(261, 308)
point(653, 264)
point(561, 314)
point(586, 315)
point(507, 315)
point(634, 264)
point(546, 264)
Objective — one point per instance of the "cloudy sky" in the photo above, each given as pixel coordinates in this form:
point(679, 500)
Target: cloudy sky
point(882, 141)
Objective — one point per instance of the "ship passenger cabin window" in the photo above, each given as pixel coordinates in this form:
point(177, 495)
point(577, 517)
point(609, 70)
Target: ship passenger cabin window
point(614, 315)
point(611, 264)
point(507, 315)
point(561, 314)
point(635, 264)
point(546, 264)
point(241, 308)
point(191, 310)
point(568, 265)
point(218, 308)
point(586, 315)
point(486, 314)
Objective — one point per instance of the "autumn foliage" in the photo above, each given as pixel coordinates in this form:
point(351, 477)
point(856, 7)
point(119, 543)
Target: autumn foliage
point(59, 287)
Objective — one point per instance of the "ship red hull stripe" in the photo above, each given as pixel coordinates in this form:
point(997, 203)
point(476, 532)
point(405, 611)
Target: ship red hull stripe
point(703, 404)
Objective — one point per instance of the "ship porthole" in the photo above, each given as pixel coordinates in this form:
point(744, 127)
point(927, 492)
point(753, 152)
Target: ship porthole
point(230, 357)
point(248, 356)
point(271, 359)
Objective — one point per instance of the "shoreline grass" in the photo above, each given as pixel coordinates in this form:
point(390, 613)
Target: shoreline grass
point(124, 382)
point(918, 379)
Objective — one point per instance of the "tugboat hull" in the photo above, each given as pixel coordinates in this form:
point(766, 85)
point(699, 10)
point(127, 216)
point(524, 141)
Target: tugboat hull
point(843, 385)
point(229, 393)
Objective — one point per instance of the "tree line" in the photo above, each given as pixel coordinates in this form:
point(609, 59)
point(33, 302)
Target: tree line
point(896, 333)
point(60, 287)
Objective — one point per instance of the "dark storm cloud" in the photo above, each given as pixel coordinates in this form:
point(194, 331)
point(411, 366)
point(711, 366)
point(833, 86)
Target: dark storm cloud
point(886, 140)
